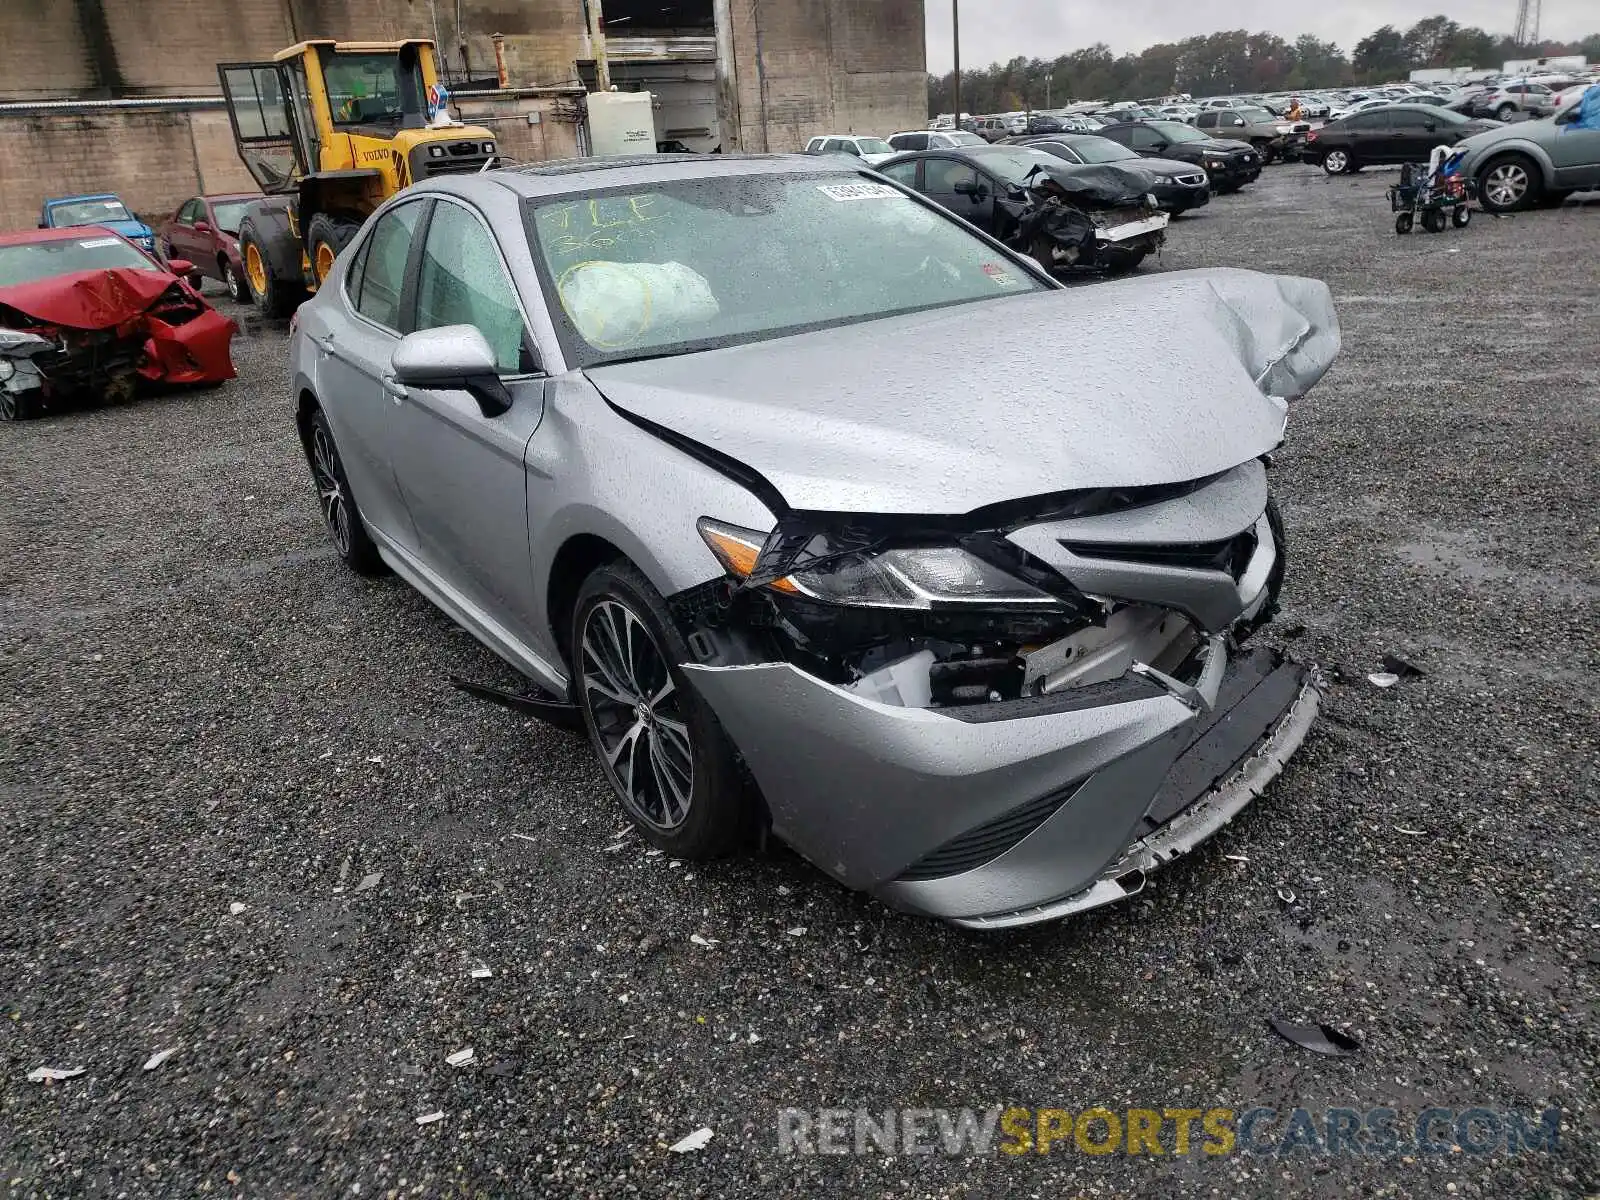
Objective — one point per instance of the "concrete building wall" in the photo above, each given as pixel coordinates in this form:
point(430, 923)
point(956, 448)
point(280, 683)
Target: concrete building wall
point(792, 69)
point(806, 67)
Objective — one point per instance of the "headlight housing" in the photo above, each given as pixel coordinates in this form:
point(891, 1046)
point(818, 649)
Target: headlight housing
point(915, 577)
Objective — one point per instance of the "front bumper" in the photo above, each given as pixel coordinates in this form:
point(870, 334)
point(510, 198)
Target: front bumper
point(1181, 197)
point(1014, 813)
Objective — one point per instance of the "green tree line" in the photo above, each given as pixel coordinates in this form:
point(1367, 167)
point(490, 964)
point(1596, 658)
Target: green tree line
point(1234, 61)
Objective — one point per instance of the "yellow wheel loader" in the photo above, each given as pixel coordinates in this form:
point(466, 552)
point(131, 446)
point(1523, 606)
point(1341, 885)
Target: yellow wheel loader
point(330, 130)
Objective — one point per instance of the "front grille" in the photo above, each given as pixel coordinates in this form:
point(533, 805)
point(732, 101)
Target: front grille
point(460, 158)
point(987, 842)
point(1190, 180)
point(1231, 554)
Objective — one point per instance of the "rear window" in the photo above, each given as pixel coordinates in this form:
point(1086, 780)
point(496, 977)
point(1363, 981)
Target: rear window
point(671, 267)
point(33, 261)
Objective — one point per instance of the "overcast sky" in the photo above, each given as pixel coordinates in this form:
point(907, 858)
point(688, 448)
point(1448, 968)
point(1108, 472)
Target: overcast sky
point(998, 30)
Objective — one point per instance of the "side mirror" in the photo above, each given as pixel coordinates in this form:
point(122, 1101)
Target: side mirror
point(968, 187)
point(202, 226)
point(453, 357)
point(181, 267)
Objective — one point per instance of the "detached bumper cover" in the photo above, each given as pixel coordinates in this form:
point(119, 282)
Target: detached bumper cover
point(1026, 811)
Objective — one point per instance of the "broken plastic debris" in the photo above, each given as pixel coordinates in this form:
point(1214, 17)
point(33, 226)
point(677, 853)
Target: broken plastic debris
point(481, 973)
point(1286, 896)
point(1319, 1039)
point(700, 941)
point(695, 1141)
point(460, 1058)
point(1383, 679)
point(1238, 858)
point(161, 1056)
point(430, 1118)
point(235, 909)
point(782, 890)
point(1396, 665)
point(368, 882)
point(54, 1074)
point(797, 931)
point(1410, 832)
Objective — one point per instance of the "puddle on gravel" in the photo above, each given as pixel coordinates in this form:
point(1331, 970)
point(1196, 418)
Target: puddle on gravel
point(1462, 555)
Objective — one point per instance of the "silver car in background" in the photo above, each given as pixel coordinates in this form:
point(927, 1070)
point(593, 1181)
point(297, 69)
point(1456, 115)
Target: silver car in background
point(964, 628)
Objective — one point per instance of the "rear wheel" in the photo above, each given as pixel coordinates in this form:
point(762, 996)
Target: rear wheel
point(234, 282)
point(659, 744)
point(1508, 184)
point(1267, 153)
point(14, 407)
point(1434, 220)
point(1336, 162)
point(325, 237)
point(272, 294)
point(339, 512)
point(1505, 112)
point(1402, 223)
point(1126, 264)
point(1461, 217)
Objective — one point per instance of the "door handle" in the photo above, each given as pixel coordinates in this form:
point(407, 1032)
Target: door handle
point(325, 344)
point(395, 389)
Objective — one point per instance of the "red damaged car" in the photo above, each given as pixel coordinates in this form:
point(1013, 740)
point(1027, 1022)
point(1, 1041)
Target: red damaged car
point(85, 316)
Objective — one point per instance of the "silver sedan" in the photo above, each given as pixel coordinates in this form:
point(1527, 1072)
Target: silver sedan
point(962, 627)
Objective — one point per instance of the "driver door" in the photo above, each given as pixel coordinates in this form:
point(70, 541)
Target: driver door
point(1575, 153)
point(961, 188)
point(461, 472)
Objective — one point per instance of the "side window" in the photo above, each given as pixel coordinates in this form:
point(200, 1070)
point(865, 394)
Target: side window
point(189, 213)
point(1206, 120)
point(463, 282)
point(814, 145)
point(849, 147)
point(383, 273)
point(1144, 139)
point(943, 174)
point(905, 172)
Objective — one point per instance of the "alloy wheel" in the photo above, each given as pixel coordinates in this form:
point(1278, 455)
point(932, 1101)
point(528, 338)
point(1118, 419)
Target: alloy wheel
point(8, 406)
point(1336, 162)
point(1506, 185)
point(638, 715)
point(230, 278)
point(330, 492)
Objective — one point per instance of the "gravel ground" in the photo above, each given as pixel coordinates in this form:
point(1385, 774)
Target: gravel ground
point(203, 711)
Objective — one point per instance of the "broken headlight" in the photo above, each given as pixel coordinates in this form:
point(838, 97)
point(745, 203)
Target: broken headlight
point(922, 577)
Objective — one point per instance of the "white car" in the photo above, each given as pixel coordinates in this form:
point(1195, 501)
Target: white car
point(873, 150)
point(932, 139)
point(1339, 114)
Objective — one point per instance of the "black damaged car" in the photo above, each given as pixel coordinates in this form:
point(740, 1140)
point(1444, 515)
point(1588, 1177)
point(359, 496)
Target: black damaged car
point(1230, 164)
point(1178, 186)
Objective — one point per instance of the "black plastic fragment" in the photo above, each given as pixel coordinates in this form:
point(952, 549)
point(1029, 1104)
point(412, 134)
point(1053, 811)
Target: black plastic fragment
point(1319, 1039)
point(1396, 665)
point(533, 703)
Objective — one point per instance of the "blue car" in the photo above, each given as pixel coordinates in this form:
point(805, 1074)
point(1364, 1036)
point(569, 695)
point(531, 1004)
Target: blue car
point(106, 210)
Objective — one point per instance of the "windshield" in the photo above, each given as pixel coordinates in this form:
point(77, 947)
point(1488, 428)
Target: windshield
point(963, 138)
point(229, 214)
point(62, 256)
point(1177, 131)
point(1256, 116)
point(363, 89)
point(1013, 164)
point(88, 212)
point(668, 268)
point(1100, 150)
point(874, 146)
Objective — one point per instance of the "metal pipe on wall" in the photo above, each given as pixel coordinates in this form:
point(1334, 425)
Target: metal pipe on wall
point(597, 38)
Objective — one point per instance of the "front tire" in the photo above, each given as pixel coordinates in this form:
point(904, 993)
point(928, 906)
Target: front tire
point(272, 295)
point(1509, 184)
point(234, 282)
point(1505, 112)
point(339, 513)
point(1337, 162)
point(659, 744)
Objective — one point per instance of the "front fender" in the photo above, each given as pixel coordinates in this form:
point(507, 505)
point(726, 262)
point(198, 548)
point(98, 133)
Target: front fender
point(1515, 145)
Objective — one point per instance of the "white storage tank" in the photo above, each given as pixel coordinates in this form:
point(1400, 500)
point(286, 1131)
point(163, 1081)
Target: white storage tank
point(622, 123)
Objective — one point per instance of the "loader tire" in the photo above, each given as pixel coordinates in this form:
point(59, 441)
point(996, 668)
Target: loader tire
point(326, 236)
point(273, 295)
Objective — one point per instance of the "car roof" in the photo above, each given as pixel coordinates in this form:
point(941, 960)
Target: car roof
point(214, 196)
point(565, 177)
point(65, 233)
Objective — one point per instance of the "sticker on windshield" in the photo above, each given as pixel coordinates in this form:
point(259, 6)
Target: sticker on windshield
point(96, 243)
point(857, 191)
point(1001, 276)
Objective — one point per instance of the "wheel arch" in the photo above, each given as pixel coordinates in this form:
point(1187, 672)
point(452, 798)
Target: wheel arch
point(578, 556)
point(1525, 149)
point(306, 405)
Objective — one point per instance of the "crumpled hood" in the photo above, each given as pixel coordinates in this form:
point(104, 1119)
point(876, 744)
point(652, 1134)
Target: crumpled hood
point(943, 412)
point(99, 299)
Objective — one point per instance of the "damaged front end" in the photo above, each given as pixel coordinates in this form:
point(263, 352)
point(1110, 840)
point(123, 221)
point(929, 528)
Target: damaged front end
point(1012, 715)
point(94, 336)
